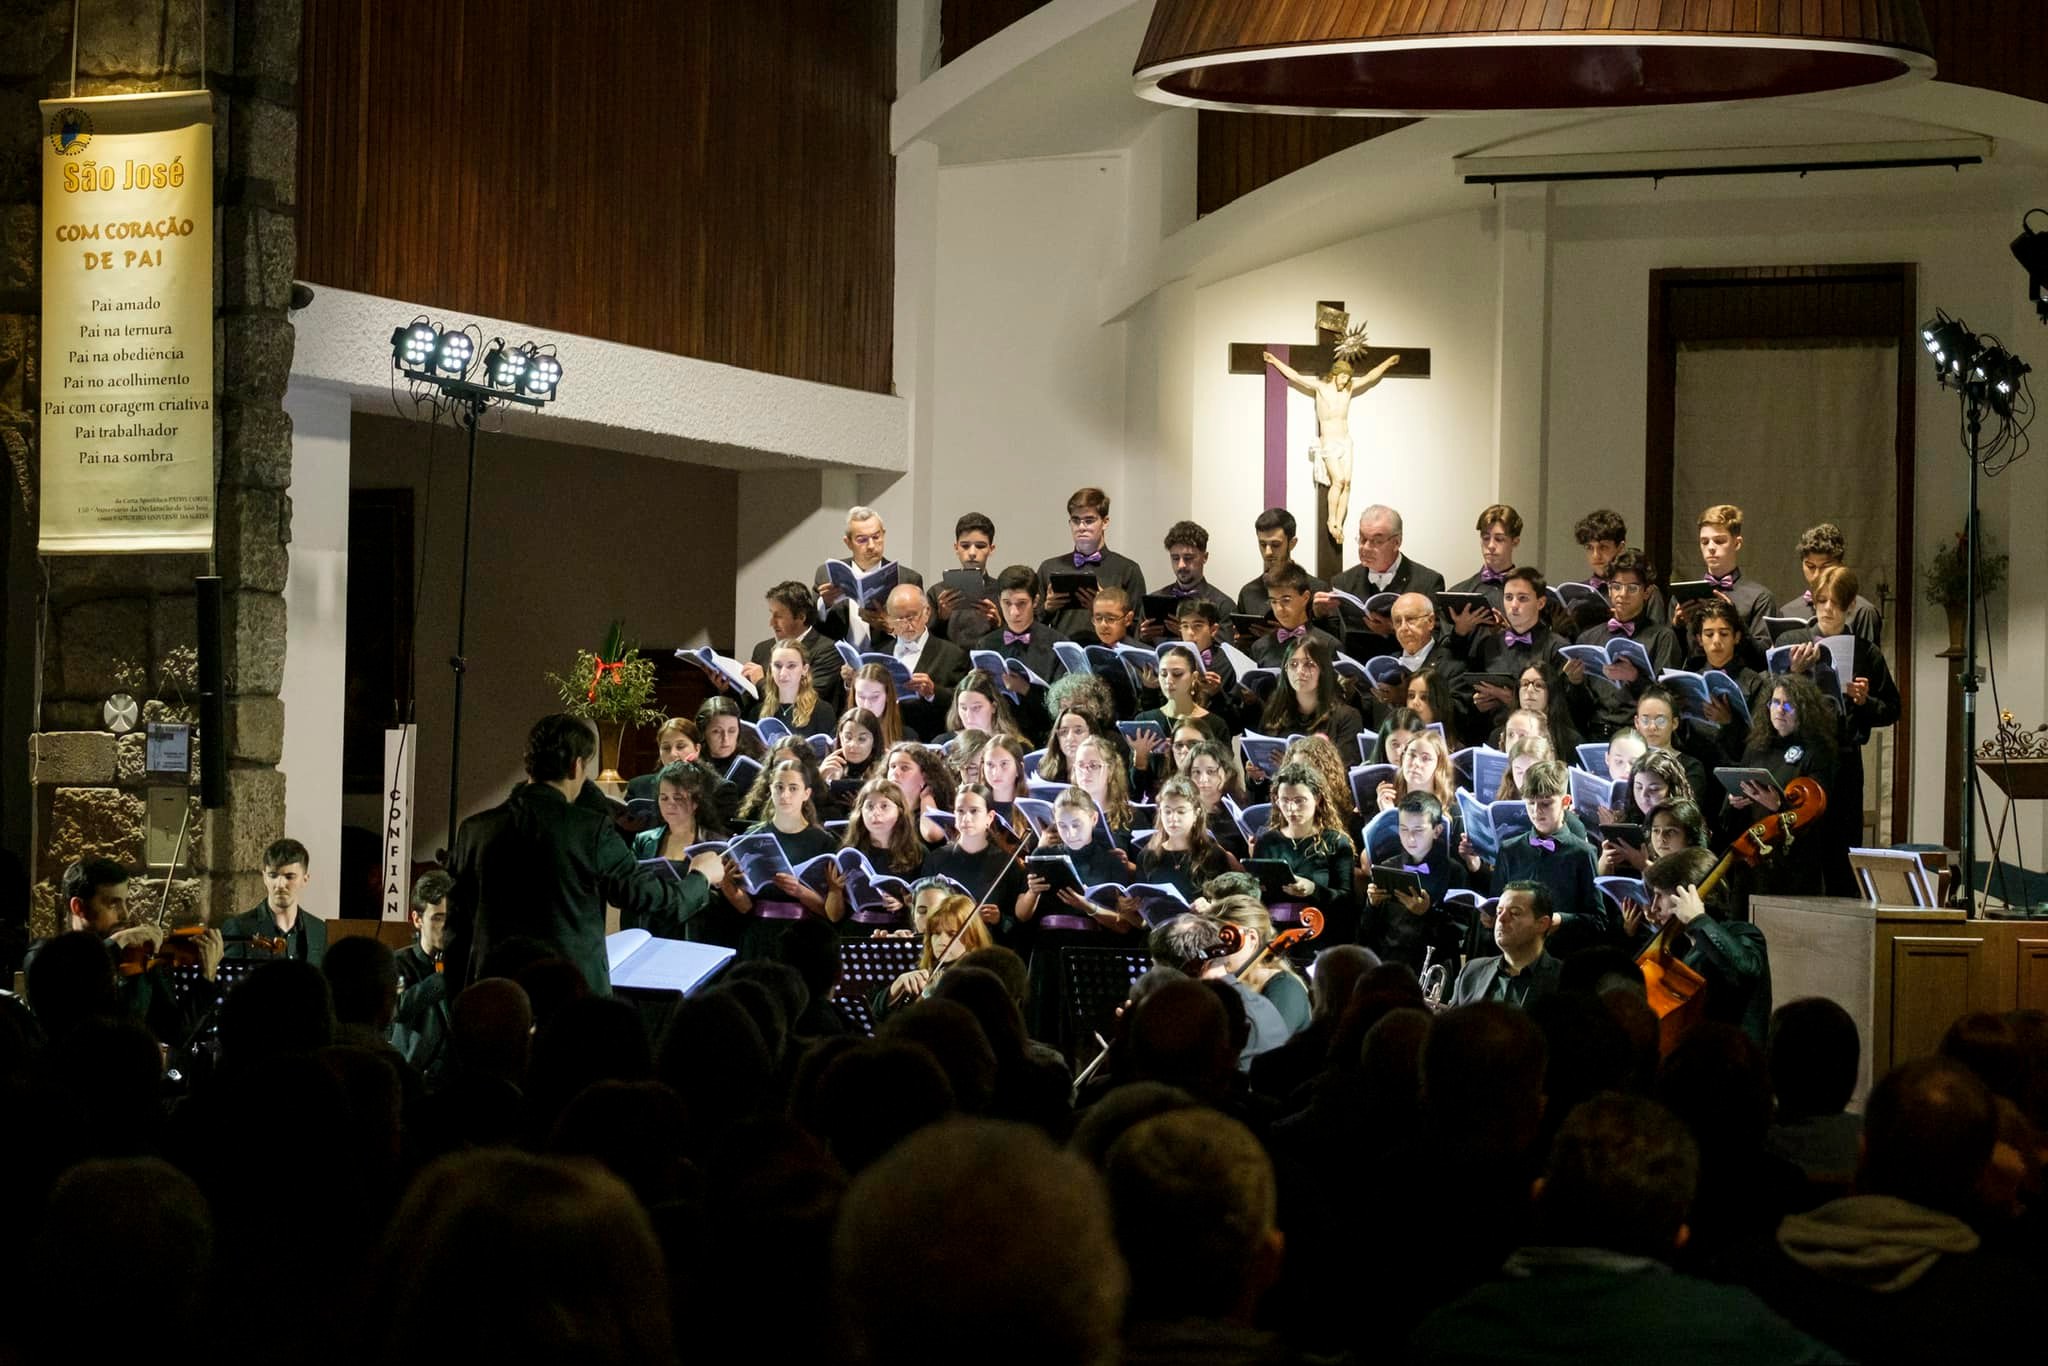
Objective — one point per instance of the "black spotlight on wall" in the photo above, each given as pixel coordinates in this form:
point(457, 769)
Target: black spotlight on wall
point(437, 364)
point(2030, 249)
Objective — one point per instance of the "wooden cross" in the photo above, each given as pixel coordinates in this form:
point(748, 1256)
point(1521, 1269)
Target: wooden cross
point(1246, 358)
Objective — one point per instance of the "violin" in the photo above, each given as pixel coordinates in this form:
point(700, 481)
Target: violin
point(179, 948)
point(1677, 993)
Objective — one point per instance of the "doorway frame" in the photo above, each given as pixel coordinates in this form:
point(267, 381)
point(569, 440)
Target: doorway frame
point(1878, 301)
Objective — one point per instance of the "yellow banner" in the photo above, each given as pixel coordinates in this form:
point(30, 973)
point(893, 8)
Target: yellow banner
point(127, 377)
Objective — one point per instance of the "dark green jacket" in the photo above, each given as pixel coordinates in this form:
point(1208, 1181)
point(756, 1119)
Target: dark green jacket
point(539, 867)
point(258, 921)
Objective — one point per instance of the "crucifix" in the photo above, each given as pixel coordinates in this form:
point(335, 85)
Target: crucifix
point(1338, 351)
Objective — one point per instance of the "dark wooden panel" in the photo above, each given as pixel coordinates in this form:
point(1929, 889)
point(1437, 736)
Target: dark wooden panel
point(1933, 981)
point(1996, 44)
point(963, 23)
point(1237, 153)
point(699, 177)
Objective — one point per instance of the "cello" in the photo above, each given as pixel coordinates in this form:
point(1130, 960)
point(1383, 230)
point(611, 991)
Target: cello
point(1676, 993)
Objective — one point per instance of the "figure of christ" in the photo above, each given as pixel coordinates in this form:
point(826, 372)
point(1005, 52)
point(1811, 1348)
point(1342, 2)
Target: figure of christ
point(1330, 456)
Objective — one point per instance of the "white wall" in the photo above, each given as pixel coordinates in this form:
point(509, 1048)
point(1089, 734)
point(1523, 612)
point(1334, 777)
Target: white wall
point(316, 634)
point(1422, 446)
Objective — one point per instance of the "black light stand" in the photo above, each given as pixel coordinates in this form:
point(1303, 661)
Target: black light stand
point(1966, 880)
point(435, 360)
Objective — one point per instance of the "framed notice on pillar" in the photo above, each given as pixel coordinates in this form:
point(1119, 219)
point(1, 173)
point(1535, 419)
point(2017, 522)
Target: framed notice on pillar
point(126, 418)
point(399, 744)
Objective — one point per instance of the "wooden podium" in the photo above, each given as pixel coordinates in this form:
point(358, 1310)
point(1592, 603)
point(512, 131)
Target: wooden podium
point(1904, 973)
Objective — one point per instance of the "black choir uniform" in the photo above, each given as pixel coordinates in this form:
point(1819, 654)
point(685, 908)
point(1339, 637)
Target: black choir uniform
point(1205, 591)
point(966, 623)
point(1407, 576)
point(824, 660)
point(1329, 860)
point(841, 622)
point(1255, 599)
point(1032, 649)
point(1180, 868)
point(1269, 651)
point(824, 718)
point(1613, 706)
point(946, 664)
point(1862, 620)
point(1463, 720)
point(1503, 650)
point(1341, 727)
point(991, 876)
point(1797, 869)
point(1752, 602)
point(1566, 871)
point(1110, 569)
point(1844, 818)
point(1389, 930)
point(1054, 925)
point(1593, 611)
point(761, 931)
point(1484, 582)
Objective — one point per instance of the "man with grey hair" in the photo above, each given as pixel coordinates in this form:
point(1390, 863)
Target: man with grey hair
point(1381, 568)
point(866, 543)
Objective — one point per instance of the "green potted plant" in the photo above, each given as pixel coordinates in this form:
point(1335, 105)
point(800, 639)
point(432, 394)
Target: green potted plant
point(610, 688)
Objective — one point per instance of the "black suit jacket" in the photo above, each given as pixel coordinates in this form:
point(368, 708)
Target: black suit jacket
point(1475, 981)
point(237, 930)
point(946, 664)
point(1409, 577)
point(541, 867)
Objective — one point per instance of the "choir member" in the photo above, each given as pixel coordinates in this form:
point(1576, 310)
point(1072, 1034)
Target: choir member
point(1088, 522)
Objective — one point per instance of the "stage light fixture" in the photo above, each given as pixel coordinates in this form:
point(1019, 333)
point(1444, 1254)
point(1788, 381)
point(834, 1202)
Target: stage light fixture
point(2030, 249)
point(1997, 374)
point(453, 355)
point(503, 368)
point(541, 377)
point(1951, 344)
point(412, 347)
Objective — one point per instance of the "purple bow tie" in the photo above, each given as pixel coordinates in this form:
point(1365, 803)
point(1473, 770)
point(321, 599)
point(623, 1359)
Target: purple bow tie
point(1492, 575)
point(1177, 591)
point(1016, 637)
point(1722, 581)
point(1617, 627)
point(1518, 638)
point(1807, 597)
point(1080, 559)
point(1286, 634)
point(1206, 654)
point(1414, 867)
point(1538, 842)
point(1596, 583)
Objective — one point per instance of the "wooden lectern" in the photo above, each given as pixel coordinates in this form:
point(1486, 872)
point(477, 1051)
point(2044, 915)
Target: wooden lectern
point(1904, 973)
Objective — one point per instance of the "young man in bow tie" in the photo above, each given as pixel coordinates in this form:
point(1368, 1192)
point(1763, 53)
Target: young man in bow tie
point(1521, 640)
point(1720, 549)
point(1403, 926)
point(1500, 534)
point(1822, 548)
point(1615, 692)
point(1088, 521)
point(1290, 596)
point(1548, 854)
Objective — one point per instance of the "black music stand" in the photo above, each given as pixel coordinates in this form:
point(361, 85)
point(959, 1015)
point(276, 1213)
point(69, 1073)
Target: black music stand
point(865, 964)
point(1094, 982)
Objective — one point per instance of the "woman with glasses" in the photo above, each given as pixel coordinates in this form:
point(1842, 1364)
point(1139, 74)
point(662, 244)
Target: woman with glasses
point(1798, 739)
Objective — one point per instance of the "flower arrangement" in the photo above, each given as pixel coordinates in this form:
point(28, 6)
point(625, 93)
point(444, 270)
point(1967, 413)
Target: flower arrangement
point(1948, 571)
point(611, 686)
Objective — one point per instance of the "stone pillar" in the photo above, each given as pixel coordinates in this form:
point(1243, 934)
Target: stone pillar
point(127, 623)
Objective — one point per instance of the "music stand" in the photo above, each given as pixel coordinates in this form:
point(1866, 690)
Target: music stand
point(865, 964)
point(1094, 982)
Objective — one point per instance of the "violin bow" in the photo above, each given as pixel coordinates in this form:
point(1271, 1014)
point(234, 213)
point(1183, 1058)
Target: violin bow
point(939, 968)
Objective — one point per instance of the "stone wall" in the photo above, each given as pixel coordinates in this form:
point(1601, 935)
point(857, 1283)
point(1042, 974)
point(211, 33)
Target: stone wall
point(127, 623)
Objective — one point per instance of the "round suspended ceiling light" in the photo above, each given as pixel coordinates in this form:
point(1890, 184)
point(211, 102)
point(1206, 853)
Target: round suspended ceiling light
point(1489, 56)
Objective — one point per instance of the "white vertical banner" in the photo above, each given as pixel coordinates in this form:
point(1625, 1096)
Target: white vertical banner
point(400, 743)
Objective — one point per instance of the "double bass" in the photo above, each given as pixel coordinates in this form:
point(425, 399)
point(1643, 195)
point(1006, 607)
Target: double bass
point(1676, 993)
